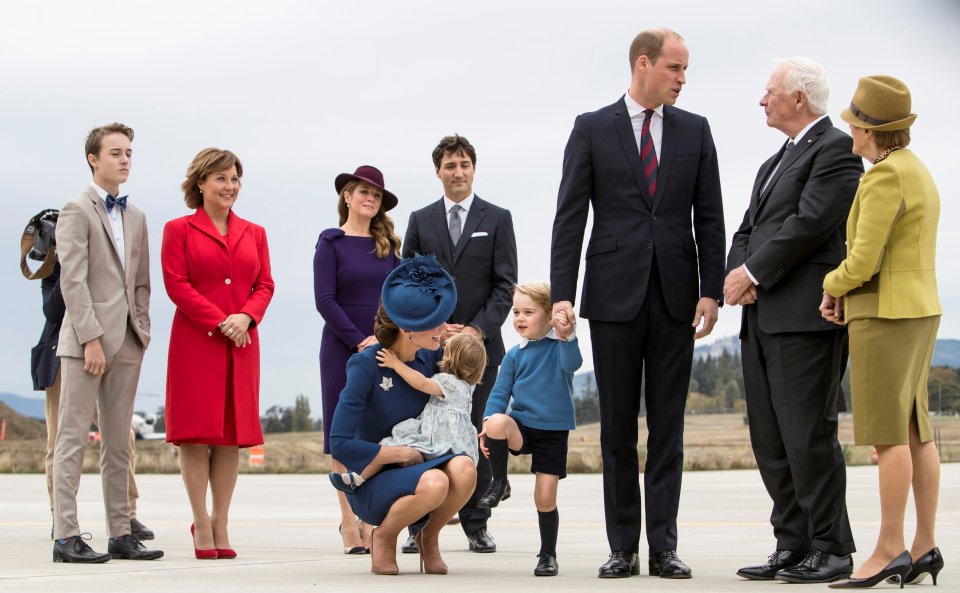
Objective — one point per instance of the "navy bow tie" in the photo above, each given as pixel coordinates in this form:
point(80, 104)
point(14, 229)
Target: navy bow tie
point(121, 201)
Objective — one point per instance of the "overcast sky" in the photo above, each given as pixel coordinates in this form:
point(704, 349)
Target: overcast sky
point(304, 91)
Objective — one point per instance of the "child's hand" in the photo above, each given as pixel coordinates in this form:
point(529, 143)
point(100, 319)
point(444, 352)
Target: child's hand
point(563, 323)
point(483, 441)
point(386, 358)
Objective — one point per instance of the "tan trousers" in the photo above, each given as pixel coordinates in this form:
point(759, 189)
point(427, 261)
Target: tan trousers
point(52, 411)
point(81, 394)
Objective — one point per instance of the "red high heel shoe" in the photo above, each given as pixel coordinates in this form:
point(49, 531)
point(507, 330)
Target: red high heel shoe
point(211, 554)
point(226, 553)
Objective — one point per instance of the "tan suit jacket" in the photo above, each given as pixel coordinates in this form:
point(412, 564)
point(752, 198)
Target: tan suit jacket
point(103, 298)
point(890, 268)
point(100, 294)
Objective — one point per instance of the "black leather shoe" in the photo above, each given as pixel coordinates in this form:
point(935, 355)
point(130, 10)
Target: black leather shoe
point(818, 567)
point(482, 542)
point(775, 563)
point(546, 565)
point(140, 530)
point(898, 569)
point(410, 546)
point(498, 490)
point(621, 564)
point(667, 565)
point(129, 547)
point(74, 549)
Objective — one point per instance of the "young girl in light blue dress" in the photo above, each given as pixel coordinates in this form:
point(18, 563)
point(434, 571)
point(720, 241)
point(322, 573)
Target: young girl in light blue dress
point(444, 426)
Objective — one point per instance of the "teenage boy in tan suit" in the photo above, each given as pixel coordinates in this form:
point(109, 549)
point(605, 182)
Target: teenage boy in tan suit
point(105, 280)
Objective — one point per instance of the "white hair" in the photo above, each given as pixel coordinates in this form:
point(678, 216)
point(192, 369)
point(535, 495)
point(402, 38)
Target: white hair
point(807, 76)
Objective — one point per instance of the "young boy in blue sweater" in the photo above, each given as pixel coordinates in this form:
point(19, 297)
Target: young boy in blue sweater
point(536, 381)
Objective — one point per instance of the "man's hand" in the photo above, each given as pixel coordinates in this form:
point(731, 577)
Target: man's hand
point(473, 331)
point(737, 283)
point(748, 298)
point(565, 308)
point(831, 308)
point(94, 361)
point(706, 312)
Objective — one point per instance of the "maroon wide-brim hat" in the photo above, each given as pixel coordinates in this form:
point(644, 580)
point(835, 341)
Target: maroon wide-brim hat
point(372, 176)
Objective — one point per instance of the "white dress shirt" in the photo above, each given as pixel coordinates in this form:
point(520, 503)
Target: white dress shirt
point(116, 222)
point(448, 204)
point(637, 115)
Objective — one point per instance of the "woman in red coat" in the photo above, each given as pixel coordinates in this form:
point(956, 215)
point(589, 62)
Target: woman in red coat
point(216, 269)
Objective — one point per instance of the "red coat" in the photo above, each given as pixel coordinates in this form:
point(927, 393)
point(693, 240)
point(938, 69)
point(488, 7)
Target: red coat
point(209, 277)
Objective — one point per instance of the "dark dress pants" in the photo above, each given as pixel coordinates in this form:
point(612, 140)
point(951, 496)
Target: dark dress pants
point(792, 381)
point(663, 347)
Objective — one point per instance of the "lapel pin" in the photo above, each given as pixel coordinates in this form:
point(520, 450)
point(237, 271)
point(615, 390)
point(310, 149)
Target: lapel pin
point(386, 384)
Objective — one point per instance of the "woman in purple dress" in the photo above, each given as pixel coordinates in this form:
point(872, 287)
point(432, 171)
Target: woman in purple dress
point(349, 268)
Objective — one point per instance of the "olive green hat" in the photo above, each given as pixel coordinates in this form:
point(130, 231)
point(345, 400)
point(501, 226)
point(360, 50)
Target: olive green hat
point(880, 103)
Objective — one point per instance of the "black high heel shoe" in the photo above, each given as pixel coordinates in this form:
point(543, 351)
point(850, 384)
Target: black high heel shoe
point(899, 569)
point(931, 562)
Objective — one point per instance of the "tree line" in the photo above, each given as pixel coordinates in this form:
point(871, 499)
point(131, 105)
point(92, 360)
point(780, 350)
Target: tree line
point(716, 386)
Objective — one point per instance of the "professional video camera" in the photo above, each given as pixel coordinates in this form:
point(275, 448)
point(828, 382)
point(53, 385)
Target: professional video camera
point(46, 227)
point(39, 243)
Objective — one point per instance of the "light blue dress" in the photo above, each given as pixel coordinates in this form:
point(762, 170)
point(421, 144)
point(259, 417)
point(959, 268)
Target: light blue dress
point(444, 426)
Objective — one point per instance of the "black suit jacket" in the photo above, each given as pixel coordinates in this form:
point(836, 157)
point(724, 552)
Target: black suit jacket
point(601, 166)
point(483, 265)
point(793, 233)
point(43, 357)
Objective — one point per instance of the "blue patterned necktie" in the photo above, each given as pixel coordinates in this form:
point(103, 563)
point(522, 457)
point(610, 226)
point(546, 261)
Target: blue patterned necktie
point(121, 201)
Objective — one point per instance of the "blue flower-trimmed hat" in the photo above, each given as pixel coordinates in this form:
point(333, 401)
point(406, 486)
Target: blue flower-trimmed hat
point(419, 294)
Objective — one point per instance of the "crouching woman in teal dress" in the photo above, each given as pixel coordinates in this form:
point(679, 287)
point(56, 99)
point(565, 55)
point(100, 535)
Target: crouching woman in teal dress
point(417, 298)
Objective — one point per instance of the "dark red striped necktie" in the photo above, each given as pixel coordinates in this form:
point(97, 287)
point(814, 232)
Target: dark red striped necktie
point(648, 154)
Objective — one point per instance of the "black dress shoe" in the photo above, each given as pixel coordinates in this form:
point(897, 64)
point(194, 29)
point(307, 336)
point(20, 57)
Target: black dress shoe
point(482, 542)
point(898, 569)
point(621, 564)
point(410, 546)
point(546, 565)
point(667, 565)
point(74, 549)
point(498, 490)
point(818, 567)
point(140, 530)
point(775, 563)
point(129, 547)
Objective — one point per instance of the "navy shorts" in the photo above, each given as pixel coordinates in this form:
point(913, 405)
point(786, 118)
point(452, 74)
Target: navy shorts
point(548, 448)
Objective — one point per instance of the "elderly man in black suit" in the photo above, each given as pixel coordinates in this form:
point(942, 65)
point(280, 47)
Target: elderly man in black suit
point(654, 274)
point(792, 235)
point(473, 241)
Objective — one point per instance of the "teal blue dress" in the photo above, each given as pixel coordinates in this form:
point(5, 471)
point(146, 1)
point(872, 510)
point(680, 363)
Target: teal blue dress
point(372, 402)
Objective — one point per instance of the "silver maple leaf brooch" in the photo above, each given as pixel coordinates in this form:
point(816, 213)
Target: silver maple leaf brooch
point(386, 384)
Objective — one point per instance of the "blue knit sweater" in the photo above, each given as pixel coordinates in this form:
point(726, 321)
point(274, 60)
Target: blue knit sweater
point(537, 382)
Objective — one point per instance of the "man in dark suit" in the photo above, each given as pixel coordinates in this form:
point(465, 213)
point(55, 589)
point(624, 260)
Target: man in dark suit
point(473, 241)
point(650, 172)
point(792, 235)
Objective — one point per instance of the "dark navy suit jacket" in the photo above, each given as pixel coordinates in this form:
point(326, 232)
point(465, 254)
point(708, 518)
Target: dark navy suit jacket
point(43, 358)
point(681, 224)
point(483, 265)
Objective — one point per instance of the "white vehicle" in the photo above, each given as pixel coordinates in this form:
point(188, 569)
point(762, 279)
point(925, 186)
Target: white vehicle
point(143, 427)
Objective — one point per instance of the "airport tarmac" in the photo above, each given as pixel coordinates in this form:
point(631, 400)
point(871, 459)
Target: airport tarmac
point(284, 528)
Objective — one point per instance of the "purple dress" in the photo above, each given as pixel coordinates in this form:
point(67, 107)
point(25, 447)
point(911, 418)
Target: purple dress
point(347, 278)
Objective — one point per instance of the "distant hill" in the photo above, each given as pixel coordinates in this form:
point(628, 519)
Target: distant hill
point(31, 407)
point(20, 427)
